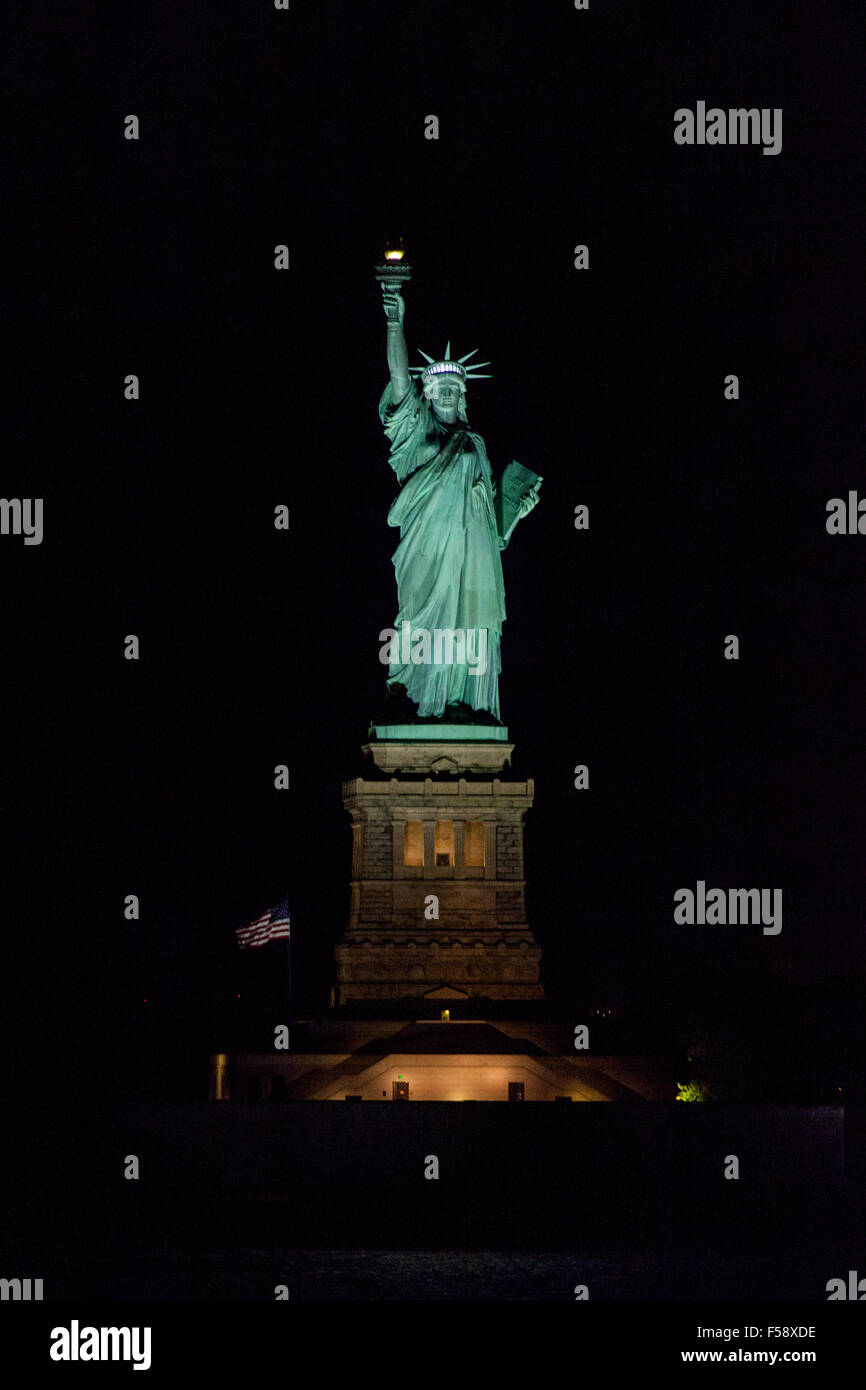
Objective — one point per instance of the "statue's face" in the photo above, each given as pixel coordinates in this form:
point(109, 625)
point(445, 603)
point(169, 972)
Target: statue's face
point(445, 399)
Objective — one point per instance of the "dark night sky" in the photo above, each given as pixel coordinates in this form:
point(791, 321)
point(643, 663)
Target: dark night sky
point(707, 517)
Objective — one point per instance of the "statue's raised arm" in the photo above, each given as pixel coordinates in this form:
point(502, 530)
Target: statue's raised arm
point(398, 356)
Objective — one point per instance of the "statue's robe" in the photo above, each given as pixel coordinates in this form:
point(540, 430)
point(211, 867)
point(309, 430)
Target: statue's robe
point(448, 566)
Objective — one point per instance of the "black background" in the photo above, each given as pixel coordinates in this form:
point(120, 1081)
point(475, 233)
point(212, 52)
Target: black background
point(259, 387)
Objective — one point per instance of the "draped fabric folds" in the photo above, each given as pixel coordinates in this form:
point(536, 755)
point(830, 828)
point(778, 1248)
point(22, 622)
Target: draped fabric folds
point(448, 566)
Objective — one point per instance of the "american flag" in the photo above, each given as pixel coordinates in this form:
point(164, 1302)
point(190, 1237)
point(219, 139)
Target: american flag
point(272, 924)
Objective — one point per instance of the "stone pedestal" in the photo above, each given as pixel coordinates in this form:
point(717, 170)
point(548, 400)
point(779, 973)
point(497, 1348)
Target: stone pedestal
point(437, 894)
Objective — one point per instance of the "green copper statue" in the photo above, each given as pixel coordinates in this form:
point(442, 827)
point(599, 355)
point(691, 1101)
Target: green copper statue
point(444, 652)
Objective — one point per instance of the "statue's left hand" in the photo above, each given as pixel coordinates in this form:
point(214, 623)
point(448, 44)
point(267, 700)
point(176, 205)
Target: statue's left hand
point(527, 502)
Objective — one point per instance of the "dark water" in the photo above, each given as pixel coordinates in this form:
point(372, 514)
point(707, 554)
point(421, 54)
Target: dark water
point(331, 1201)
point(388, 1275)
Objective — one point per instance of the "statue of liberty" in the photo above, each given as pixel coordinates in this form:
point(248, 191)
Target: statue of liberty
point(444, 654)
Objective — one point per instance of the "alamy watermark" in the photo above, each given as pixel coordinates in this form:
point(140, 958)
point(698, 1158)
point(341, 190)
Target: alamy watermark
point(77, 1343)
point(854, 1290)
point(22, 516)
point(444, 646)
point(738, 125)
point(731, 906)
point(21, 1290)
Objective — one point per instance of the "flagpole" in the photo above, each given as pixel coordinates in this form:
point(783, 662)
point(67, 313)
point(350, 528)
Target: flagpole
point(289, 966)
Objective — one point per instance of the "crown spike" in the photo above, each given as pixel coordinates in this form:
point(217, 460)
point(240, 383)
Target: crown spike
point(448, 365)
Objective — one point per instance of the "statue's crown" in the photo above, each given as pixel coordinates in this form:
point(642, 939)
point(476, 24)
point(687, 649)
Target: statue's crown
point(449, 366)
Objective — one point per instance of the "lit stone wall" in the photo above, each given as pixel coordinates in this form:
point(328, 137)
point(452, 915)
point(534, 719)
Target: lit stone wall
point(480, 942)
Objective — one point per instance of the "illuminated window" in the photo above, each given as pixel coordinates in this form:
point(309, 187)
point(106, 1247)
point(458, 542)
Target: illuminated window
point(413, 842)
point(475, 844)
point(443, 841)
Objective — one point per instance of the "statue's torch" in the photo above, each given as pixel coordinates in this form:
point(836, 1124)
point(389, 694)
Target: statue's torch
point(394, 271)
